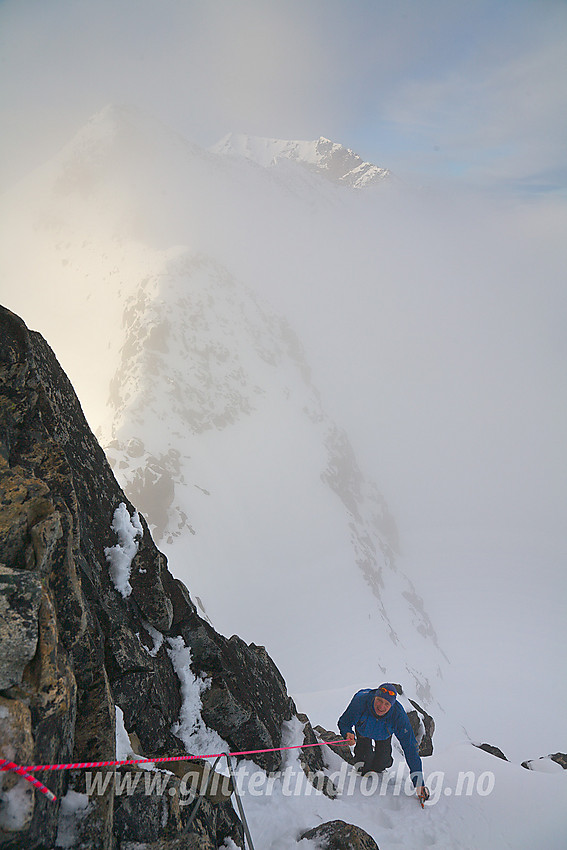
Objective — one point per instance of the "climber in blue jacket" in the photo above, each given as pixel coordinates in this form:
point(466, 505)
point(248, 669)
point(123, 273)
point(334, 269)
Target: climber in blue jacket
point(376, 714)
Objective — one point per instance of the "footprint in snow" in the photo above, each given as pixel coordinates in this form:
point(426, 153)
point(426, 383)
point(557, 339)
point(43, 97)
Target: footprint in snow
point(385, 820)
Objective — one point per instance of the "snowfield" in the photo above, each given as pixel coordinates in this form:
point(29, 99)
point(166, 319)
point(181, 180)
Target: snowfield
point(521, 806)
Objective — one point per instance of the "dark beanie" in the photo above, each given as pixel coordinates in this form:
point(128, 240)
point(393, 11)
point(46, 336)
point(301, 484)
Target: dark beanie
point(387, 691)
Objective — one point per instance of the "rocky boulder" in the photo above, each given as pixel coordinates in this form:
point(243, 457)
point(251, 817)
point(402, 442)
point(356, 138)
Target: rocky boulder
point(423, 726)
point(338, 835)
point(340, 749)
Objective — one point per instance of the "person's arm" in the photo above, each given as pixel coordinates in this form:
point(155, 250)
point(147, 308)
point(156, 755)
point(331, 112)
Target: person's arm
point(404, 734)
point(349, 717)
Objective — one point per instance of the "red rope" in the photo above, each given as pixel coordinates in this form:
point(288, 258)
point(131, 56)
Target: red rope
point(25, 771)
point(22, 771)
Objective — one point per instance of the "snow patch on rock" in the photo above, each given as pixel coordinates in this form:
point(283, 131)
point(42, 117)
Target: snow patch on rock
point(120, 556)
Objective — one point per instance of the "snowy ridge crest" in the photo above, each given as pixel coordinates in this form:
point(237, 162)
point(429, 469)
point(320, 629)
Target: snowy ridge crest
point(334, 161)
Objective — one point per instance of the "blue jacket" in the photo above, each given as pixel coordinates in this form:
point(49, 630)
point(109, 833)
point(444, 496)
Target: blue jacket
point(360, 714)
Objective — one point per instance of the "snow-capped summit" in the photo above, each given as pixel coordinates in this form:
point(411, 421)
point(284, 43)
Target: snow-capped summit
point(333, 160)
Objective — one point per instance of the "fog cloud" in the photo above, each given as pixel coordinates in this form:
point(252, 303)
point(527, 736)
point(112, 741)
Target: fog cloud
point(433, 318)
point(439, 88)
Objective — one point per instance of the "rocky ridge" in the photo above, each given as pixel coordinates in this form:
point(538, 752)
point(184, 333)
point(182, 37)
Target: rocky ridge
point(75, 648)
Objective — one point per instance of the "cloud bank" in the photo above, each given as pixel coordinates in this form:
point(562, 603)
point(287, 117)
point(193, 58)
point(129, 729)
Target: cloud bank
point(438, 89)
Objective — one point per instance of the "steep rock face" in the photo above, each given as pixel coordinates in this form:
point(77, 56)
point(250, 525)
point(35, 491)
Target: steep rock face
point(74, 646)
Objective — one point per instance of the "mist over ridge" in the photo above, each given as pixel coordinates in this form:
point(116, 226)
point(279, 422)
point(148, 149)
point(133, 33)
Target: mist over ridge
point(431, 325)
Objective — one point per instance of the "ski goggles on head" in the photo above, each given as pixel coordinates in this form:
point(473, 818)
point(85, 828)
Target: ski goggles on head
point(386, 691)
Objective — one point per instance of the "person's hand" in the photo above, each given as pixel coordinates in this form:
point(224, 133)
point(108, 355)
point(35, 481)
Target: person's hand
point(350, 739)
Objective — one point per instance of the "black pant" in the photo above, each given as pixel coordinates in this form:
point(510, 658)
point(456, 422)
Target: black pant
point(377, 757)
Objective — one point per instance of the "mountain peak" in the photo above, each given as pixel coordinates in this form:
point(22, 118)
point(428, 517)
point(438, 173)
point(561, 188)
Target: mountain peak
point(334, 161)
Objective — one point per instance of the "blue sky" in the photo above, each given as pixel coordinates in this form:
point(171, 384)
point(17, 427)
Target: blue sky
point(434, 89)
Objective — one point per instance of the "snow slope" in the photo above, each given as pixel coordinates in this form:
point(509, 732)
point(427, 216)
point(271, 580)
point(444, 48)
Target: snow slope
point(478, 801)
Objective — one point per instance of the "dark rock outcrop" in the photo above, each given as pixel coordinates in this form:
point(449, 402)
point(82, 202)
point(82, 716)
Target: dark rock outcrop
point(423, 726)
point(340, 749)
point(75, 642)
point(558, 758)
point(247, 701)
point(338, 835)
point(494, 751)
point(312, 759)
point(20, 598)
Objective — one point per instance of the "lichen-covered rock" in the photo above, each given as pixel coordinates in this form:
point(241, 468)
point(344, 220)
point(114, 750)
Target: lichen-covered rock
point(20, 597)
point(338, 835)
point(189, 842)
point(17, 800)
point(24, 502)
point(148, 590)
point(71, 646)
point(162, 817)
